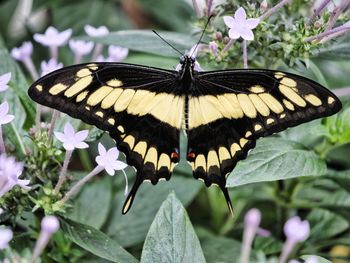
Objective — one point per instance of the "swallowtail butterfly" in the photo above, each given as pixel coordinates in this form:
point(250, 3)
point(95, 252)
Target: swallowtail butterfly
point(222, 112)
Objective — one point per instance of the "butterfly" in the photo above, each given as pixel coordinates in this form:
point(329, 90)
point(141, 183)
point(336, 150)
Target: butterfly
point(222, 112)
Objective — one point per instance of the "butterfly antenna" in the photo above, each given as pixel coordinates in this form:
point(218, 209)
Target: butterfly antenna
point(167, 42)
point(200, 39)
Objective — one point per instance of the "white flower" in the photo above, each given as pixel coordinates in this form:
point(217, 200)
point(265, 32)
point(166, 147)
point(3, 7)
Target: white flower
point(23, 52)
point(297, 230)
point(71, 139)
point(10, 170)
point(109, 159)
point(117, 54)
point(50, 66)
point(5, 237)
point(4, 80)
point(240, 26)
point(80, 47)
point(96, 31)
point(4, 117)
point(52, 37)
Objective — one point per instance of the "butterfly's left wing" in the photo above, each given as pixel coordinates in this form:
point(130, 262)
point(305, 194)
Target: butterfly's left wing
point(229, 110)
point(137, 105)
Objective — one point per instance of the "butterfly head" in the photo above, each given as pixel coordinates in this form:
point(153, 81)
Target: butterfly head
point(187, 61)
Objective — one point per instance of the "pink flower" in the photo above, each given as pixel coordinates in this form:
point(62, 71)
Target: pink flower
point(5, 237)
point(23, 52)
point(52, 37)
point(80, 47)
point(213, 48)
point(4, 117)
point(4, 80)
point(49, 225)
point(240, 26)
point(50, 66)
point(297, 230)
point(117, 54)
point(10, 170)
point(96, 31)
point(109, 159)
point(71, 139)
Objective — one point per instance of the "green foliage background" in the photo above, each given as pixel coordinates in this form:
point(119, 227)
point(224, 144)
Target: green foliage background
point(303, 171)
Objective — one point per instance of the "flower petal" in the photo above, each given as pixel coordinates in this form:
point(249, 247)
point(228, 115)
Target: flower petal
point(109, 170)
point(118, 165)
point(5, 78)
point(101, 149)
point(113, 153)
point(100, 161)
point(68, 146)
point(60, 136)
point(233, 34)
point(247, 34)
point(69, 130)
point(229, 21)
point(81, 135)
point(240, 15)
point(4, 108)
point(252, 23)
point(6, 119)
point(81, 145)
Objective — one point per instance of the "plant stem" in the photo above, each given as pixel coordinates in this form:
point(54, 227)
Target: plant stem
point(52, 124)
point(2, 144)
point(342, 92)
point(54, 52)
point(274, 9)
point(318, 11)
point(343, 28)
point(245, 57)
point(97, 51)
point(209, 6)
point(196, 8)
point(80, 183)
point(228, 46)
point(336, 13)
point(62, 176)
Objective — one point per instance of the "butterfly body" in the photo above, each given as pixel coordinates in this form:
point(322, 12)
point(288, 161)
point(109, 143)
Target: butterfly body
point(144, 109)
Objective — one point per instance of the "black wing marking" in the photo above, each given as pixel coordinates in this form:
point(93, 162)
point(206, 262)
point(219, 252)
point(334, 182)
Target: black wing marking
point(229, 110)
point(135, 104)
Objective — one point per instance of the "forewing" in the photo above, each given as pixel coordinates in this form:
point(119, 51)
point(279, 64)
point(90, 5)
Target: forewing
point(135, 104)
point(229, 110)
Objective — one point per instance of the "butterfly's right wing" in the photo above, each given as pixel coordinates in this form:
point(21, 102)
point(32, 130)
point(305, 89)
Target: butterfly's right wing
point(135, 104)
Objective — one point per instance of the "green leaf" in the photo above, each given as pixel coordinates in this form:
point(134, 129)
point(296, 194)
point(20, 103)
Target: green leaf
point(276, 159)
point(131, 229)
point(92, 205)
point(338, 127)
point(219, 249)
point(342, 178)
point(325, 224)
point(319, 259)
point(171, 237)
point(318, 74)
point(338, 49)
point(147, 41)
point(95, 242)
point(269, 245)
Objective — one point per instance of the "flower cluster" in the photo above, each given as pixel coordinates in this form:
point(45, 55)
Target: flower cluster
point(295, 230)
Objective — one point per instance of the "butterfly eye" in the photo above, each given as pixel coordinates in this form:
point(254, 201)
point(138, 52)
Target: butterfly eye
point(193, 59)
point(182, 60)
